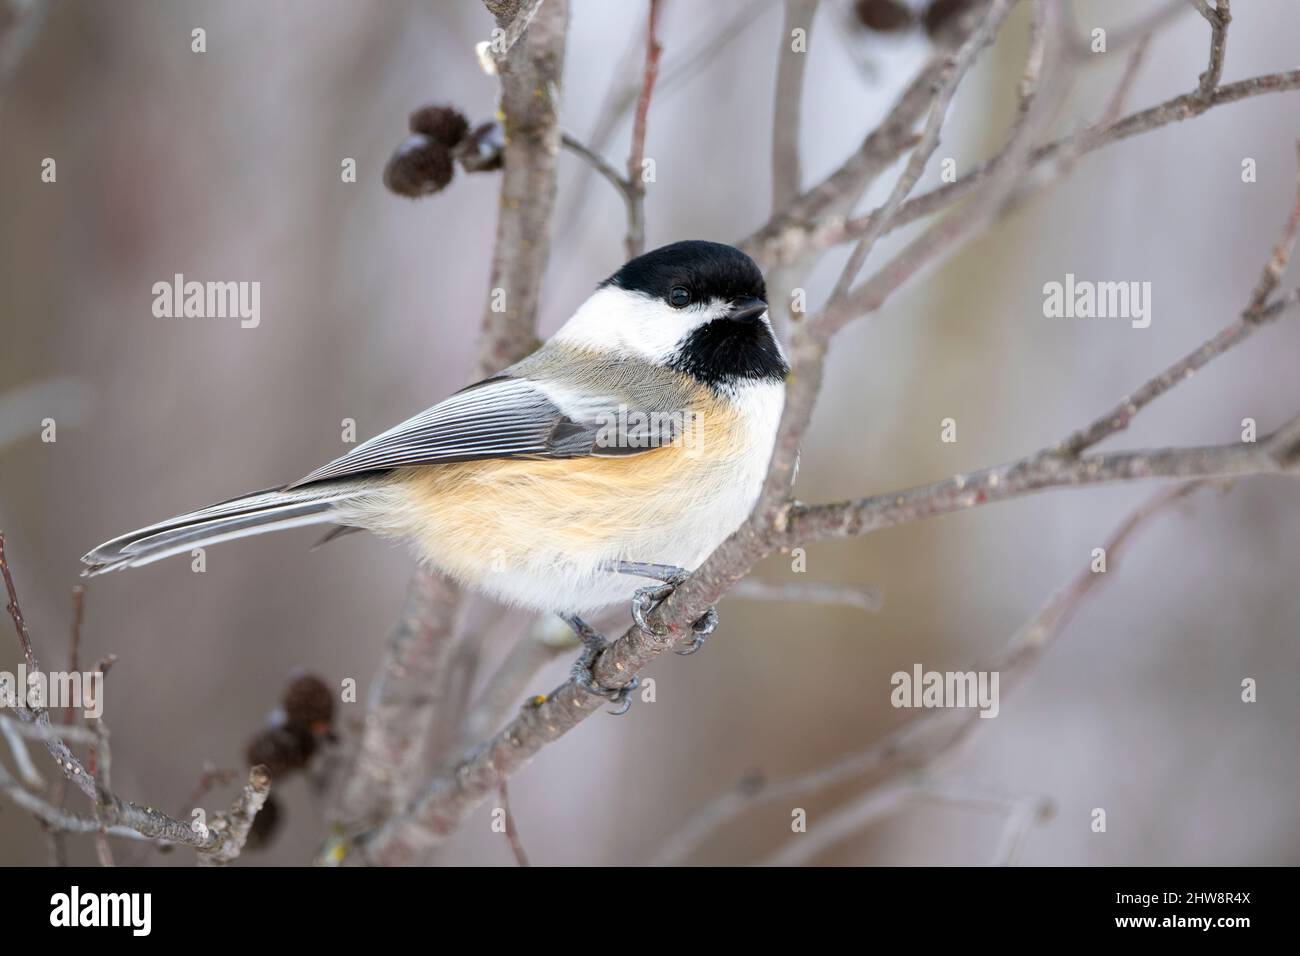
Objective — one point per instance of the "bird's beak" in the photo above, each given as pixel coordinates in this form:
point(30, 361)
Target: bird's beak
point(745, 308)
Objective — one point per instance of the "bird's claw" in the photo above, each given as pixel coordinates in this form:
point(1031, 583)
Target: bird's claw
point(584, 675)
point(584, 669)
point(700, 631)
point(647, 599)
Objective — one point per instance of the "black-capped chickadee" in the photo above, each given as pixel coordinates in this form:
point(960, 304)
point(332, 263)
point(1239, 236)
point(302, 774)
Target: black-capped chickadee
point(632, 443)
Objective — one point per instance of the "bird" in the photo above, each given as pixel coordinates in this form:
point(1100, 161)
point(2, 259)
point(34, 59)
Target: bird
point(628, 446)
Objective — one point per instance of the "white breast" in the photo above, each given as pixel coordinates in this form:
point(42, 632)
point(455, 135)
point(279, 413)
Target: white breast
point(715, 506)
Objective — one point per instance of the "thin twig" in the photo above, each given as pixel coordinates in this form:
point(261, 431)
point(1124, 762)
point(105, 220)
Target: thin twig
point(111, 811)
point(231, 829)
point(635, 242)
point(1277, 454)
point(880, 802)
point(633, 199)
point(452, 795)
point(791, 66)
point(779, 523)
point(69, 714)
point(626, 89)
point(512, 831)
point(853, 818)
point(16, 612)
point(924, 738)
point(1255, 315)
point(1218, 17)
point(34, 731)
point(951, 75)
point(786, 240)
point(509, 684)
point(1003, 189)
point(9, 729)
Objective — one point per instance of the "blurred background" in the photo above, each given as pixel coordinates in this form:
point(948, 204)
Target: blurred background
point(226, 166)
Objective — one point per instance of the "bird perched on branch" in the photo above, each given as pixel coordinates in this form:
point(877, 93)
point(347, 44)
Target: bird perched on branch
point(629, 445)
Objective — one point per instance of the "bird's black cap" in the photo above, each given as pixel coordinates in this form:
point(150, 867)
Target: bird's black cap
point(706, 269)
point(731, 348)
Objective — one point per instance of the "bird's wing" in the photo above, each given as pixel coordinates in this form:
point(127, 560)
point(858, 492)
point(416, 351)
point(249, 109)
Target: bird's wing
point(504, 417)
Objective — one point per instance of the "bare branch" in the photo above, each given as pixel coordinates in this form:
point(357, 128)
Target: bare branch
point(544, 719)
point(778, 523)
point(1278, 454)
point(530, 77)
point(110, 811)
point(600, 164)
point(786, 166)
point(785, 241)
point(631, 192)
point(1002, 190)
point(1253, 316)
point(1020, 820)
point(845, 822)
point(879, 802)
point(781, 239)
point(514, 16)
point(10, 730)
point(626, 90)
point(16, 612)
point(510, 683)
point(232, 828)
point(1219, 17)
point(951, 74)
point(398, 728)
point(400, 707)
point(34, 731)
point(635, 178)
point(56, 818)
point(512, 831)
point(810, 339)
point(922, 740)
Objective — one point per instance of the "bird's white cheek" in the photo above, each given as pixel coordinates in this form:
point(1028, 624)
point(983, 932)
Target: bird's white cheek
point(615, 320)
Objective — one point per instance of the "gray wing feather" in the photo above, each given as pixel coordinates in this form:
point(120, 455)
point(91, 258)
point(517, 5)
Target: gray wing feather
point(502, 417)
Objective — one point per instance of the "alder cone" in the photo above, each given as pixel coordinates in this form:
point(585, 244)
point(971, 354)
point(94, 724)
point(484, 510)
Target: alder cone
point(884, 16)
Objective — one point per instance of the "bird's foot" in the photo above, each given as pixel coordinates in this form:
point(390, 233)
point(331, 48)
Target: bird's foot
point(647, 599)
point(584, 668)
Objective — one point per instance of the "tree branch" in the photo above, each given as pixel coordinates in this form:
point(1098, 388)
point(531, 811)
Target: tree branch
point(636, 156)
point(786, 166)
point(782, 242)
point(1219, 17)
point(1277, 454)
point(110, 811)
point(951, 74)
point(922, 740)
point(401, 706)
point(778, 523)
point(530, 78)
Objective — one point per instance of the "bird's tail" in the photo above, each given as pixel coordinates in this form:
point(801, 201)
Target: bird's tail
point(262, 511)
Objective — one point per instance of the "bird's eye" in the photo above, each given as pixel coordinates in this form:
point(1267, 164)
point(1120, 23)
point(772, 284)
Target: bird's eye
point(679, 297)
